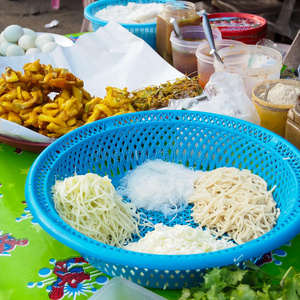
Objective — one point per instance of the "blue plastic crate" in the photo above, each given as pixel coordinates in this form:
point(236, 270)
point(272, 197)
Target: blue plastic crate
point(146, 31)
point(200, 140)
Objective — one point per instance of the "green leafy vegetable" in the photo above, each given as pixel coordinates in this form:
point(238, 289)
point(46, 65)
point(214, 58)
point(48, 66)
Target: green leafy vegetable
point(233, 283)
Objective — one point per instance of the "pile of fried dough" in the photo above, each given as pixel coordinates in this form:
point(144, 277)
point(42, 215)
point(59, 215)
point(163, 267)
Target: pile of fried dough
point(52, 101)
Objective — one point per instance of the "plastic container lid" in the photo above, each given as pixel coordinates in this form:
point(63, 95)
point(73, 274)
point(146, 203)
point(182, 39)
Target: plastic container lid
point(203, 50)
point(244, 27)
point(192, 32)
point(119, 288)
point(249, 60)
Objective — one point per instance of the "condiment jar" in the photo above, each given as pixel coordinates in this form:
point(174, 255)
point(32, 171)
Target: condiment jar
point(183, 51)
point(292, 129)
point(185, 14)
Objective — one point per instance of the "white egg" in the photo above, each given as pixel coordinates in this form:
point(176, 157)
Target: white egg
point(14, 50)
point(49, 47)
point(26, 42)
point(40, 44)
point(4, 47)
point(2, 38)
point(45, 37)
point(32, 51)
point(30, 32)
point(12, 33)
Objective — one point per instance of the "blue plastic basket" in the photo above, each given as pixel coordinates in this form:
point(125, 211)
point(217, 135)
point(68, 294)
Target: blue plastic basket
point(146, 31)
point(200, 140)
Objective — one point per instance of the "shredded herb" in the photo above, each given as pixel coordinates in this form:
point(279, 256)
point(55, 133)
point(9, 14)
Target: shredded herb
point(253, 283)
point(159, 96)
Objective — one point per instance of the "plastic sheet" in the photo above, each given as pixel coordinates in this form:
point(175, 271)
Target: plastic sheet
point(223, 94)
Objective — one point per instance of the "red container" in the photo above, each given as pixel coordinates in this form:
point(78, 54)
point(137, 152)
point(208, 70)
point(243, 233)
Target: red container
point(246, 28)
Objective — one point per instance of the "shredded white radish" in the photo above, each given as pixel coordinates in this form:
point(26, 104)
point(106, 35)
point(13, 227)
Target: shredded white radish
point(89, 203)
point(157, 185)
point(178, 240)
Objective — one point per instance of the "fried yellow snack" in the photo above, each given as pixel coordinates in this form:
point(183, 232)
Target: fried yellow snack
point(100, 111)
point(48, 119)
point(13, 117)
point(77, 93)
point(55, 131)
point(10, 75)
point(26, 113)
point(4, 116)
point(31, 119)
point(33, 67)
point(9, 96)
point(89, 107)
point(25, 95)
point(116, 102)
point(52, 101)
point(7, 106)
point(2, 110)
point(72, 107)
point(50, 109)
point(26, 98)
point(116, 98)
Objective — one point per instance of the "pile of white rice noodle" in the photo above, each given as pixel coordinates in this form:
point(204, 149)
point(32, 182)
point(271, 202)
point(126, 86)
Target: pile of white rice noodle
point(226, 201)
point(159, 186)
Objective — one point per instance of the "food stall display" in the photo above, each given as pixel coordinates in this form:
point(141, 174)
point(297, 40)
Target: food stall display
point(123, 177)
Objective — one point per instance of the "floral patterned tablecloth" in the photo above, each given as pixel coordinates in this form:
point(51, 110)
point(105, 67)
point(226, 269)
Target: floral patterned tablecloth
point(33, 265)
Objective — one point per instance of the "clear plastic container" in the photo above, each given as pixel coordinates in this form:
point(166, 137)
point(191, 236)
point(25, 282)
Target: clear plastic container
point(205, 61)
point(253, 63)
point(185, 14)
point(184, 51)
point(272, 116)
point(292, 129)
point(119, 288)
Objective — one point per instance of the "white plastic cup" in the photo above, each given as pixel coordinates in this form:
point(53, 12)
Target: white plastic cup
point(205, 61)
point(252, 62)
point(184, 51)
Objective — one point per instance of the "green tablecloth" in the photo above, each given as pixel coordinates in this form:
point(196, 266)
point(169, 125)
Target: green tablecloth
point(36, 266)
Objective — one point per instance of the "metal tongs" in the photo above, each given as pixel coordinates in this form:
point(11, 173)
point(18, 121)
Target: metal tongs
point(210, 38)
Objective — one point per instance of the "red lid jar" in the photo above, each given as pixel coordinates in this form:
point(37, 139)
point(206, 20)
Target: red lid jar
point(246, 28)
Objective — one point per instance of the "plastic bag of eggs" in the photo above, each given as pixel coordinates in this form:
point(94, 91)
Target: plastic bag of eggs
point(16, 41)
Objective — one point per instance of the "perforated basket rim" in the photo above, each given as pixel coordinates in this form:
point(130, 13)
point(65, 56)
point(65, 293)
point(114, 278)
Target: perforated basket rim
point(98, 250)
point(88, 13)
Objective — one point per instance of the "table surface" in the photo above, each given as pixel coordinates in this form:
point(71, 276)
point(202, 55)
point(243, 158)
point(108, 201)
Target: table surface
point(32, 261)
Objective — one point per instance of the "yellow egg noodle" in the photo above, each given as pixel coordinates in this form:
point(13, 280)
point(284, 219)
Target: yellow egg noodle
point(89, 203)
point(178, 240)
point(235, 202)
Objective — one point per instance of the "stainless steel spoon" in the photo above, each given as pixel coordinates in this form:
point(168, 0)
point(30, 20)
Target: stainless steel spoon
point(209, 37)
point(176, 28)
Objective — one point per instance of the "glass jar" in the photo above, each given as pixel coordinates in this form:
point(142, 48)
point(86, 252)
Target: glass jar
point(185, 14)
point(292, 129)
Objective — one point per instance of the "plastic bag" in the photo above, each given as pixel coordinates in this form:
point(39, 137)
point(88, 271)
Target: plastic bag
point(225, 95)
